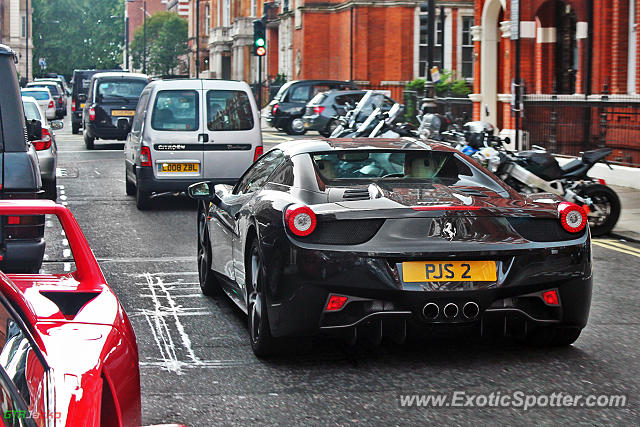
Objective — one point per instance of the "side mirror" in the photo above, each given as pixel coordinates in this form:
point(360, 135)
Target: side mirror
point(204, 192)
point(82, 97)
point(34, 130)
point(56, 124)
point(124, 124)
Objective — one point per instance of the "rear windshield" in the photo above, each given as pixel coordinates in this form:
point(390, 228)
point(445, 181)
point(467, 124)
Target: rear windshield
point(39, 95)
point(175, 110)
point(416, 165)
point(119, 89)
point(229, 110)
point(52, 88)
point(31, 111)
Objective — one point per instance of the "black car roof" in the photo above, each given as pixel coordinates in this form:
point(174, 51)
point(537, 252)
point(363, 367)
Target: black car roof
point(301, 146)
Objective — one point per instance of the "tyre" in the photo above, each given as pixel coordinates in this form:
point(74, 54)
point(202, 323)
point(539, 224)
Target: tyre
point(263, 343)
point(75, 129)
point(143, 198)
point(331, 126)
point(130, 187)
point(605, 210)
point(208, 282)
point(50, 189)
point(88, 141)
point(295, 127)
point(550, 336)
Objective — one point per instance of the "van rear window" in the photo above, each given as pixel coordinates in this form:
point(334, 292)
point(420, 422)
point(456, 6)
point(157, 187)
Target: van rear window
point(229, 110)
point(175, 110)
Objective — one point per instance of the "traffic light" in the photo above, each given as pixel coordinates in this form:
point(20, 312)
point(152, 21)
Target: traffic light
point(259, 38)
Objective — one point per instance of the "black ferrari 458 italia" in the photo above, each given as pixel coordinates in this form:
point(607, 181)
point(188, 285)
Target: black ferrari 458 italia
point(376, 237)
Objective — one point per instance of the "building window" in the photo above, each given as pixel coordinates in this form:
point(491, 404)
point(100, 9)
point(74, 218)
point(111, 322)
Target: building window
point(423, 55)
point(226, 13)
point(467, 48)
point(23, 27)
point(207, 19)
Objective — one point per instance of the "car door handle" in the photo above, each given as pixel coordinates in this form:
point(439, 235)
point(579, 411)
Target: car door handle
point(203, 137)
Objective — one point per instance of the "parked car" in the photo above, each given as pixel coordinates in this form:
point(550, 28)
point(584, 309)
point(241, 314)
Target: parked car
point(45, 147)
point(67, 349)
point(61, 86)
point(287, 108)
point(185, 131)
point(367, 237)
point(79, 88)
point(46, 102)
point(57, 94)
point(111, 97)
point(21, 244)
point(322, 110)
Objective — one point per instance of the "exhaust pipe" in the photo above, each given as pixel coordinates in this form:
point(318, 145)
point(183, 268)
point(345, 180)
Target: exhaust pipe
point(430, 310)
point(471, 310)
point(450, 310)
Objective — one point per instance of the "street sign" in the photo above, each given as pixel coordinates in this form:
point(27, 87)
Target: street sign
point(515, 19)
point(435, 75)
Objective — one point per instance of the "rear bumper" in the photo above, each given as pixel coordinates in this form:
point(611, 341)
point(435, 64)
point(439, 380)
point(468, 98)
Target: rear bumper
point(76, 117)
point(377, 295)
point(22, 256)
point(149, 183)
point(106, 132)
point(315, 122)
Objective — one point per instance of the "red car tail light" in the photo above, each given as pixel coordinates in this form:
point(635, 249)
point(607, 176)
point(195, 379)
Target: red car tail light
point(274, 109)
point(550, 297)
point(300, 219)
point(92, 114)
point(24, 226)
point(572, 217)
point(73, 105)
point(45, 142)
point(145, 156)
point(259, 152)
point(318, 110)
point(51, 105)
point(336, 302)
point(60, 100)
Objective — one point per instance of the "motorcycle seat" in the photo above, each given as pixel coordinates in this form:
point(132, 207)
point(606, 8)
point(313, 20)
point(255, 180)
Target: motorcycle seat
point(572, 166)
point(592, 157)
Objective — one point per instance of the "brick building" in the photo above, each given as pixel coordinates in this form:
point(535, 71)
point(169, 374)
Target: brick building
point(13, 32)
point(572, 52)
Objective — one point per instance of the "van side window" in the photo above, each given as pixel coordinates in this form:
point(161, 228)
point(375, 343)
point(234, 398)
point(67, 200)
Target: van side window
point(229, 110)
point(176, 110)
point(136, 126)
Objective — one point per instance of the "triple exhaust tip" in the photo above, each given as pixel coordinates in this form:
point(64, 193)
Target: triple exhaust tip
point(431, 310)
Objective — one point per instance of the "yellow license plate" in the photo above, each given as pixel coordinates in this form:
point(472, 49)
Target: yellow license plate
point(126, 113)
point(179, 167)
point(449, 271)
point(82, 105)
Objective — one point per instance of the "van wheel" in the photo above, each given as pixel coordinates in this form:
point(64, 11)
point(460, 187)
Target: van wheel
point(130, 186)
point(143, 198)
point(295, 127)
point(88, 141)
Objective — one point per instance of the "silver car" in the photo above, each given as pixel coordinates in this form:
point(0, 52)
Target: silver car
point(44, 98)
point(186, 131)
point(45, 147)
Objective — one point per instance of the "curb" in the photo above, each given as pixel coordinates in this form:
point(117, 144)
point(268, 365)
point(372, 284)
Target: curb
point(629, 236)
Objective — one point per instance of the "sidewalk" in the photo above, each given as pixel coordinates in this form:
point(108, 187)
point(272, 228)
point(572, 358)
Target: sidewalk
point(628, 226)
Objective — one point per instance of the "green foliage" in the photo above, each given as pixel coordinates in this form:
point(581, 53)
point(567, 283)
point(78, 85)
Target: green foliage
point(166, 40)
point(280, 79)
point(77, 34)
point(448, 86)
point(416, 85)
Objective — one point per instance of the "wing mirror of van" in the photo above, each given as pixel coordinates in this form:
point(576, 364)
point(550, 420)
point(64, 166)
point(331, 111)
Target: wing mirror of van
point(34, 130)
point(124, 124)
point(56, 124)
point(203, 191)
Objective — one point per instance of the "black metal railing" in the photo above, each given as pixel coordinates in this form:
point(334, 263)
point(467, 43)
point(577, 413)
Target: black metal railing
point(571, 124)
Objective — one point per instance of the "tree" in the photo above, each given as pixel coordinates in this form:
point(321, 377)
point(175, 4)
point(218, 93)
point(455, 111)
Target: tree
point(167, 35)
point(76, 34)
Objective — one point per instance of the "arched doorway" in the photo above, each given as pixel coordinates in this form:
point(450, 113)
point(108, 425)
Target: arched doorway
point(490, 60)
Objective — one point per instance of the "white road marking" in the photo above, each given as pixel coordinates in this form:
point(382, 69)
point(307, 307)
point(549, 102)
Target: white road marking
point(66, 253)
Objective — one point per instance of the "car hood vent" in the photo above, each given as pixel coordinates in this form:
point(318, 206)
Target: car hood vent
point(471, 192)
point(337, 194)
point(356, 194)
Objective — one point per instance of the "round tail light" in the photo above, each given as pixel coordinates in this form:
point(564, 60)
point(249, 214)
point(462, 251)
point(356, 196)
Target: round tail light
point(300, 219)
point(572, 217)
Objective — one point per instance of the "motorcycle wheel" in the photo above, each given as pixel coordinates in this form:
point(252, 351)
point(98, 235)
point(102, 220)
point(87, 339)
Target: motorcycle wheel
point(605, 210)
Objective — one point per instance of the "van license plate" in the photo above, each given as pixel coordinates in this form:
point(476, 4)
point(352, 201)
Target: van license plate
point(120, 113)
point(179, 167)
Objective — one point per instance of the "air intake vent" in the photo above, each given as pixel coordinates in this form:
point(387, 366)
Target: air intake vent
point(343, 232)
point(471, 192)
point(356, 194)
point(542, 229)
point(70, 303)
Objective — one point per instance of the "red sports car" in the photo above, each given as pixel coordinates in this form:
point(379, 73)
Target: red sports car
point(68, 354)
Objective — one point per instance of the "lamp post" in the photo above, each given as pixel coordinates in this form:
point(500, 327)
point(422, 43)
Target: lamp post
point(27, 42)
point(197, 38)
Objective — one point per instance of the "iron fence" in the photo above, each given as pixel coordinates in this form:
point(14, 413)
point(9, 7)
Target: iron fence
point(572, 124)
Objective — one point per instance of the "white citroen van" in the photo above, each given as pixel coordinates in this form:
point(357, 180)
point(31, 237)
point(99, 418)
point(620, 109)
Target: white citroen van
point(185, 131)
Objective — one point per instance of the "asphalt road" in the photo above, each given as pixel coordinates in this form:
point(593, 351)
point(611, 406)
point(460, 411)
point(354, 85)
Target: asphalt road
point(198, 369)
